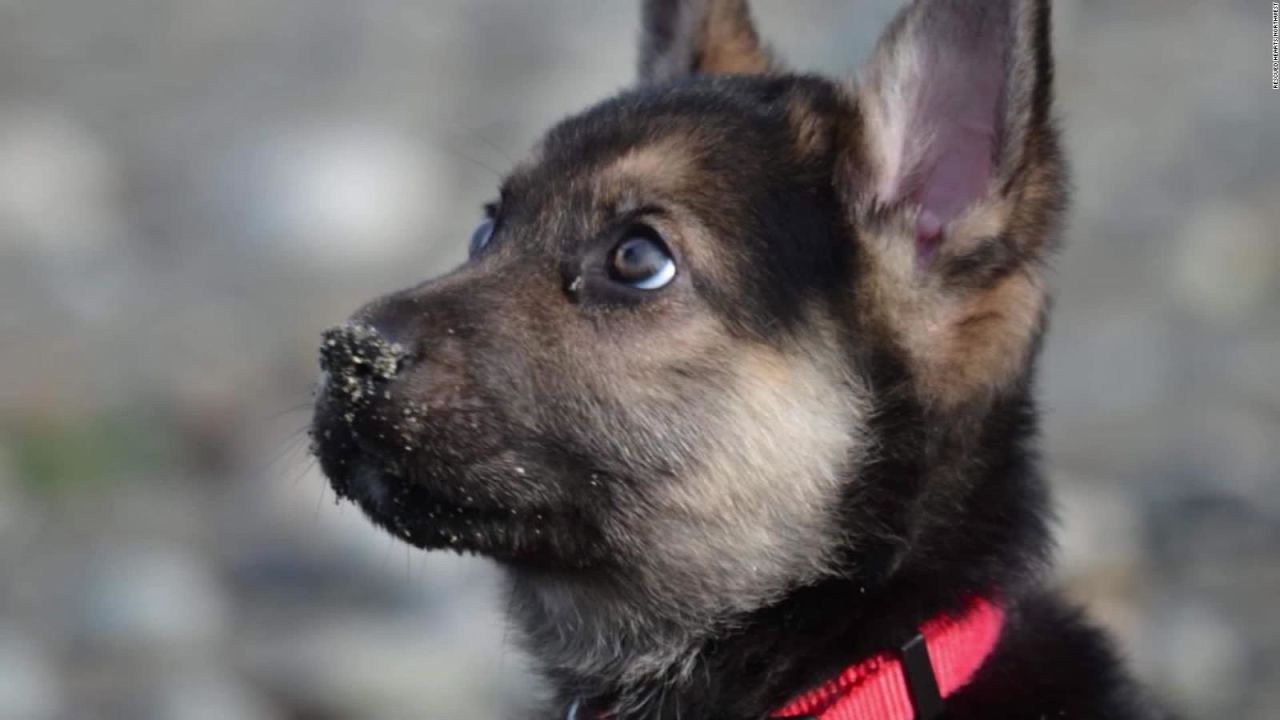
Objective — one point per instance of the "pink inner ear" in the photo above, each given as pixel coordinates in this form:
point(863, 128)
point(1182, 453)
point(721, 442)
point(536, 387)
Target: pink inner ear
point(955, 109)
point(959, 176)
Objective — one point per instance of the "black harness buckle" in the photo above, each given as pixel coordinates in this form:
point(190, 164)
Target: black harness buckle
point(922, 684)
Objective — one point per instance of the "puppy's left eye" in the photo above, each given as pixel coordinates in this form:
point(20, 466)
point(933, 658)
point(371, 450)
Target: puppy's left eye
point(480, 238)
point(642, 260)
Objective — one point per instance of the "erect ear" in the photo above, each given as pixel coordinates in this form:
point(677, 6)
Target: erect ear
point(687, 37)
point(956, 184)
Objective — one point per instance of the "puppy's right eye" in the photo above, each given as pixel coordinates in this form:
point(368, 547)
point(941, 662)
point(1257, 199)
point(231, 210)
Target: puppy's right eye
point(642, 260)
point(481, 237)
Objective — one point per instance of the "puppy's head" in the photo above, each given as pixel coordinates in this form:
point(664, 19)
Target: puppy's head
point(651, 392)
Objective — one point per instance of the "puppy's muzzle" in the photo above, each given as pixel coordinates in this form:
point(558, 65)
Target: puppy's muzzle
point(351, 431)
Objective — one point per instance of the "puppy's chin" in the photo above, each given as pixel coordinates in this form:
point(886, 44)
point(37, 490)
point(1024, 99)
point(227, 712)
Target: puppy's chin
point(419, 511)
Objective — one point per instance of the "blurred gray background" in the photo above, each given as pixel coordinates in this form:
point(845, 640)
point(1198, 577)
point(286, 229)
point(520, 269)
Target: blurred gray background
point(191, 190)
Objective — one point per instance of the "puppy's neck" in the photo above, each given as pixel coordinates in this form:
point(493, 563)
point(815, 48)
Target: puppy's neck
point(969, 521)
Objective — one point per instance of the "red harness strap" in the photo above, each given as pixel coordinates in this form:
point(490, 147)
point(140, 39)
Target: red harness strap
point(909, 684)
point(890, 686)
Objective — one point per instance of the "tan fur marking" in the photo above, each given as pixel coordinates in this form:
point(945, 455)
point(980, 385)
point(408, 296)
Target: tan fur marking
point(963, 344)
point(662, 165)
point(751, 513)
point(756, 516)
point(812, 130)
point(983, 343)
point(977, 225)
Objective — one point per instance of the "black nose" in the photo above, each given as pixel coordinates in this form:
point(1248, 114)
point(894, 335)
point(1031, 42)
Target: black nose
point(358, 358)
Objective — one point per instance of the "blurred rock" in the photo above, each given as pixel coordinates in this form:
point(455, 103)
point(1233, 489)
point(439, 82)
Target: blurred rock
point(1114, 363)
point(29, 684)
point(1252, 372)
point(1100, 550)
point(331, 197)
point(58, 186)
point(1235, 450)
point(354, 666)
point(13, 512)
point(152, 601)
point(1099, 527)
point(1227, 264)
point(60, 215)
point(1193, 535)
point(208, 695)
point(1196, 658)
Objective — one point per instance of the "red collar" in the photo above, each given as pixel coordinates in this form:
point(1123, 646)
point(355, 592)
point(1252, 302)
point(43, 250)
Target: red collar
point(911, 683)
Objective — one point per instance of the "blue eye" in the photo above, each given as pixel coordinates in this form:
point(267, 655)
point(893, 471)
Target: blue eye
point(642, 260)
point(480, 238)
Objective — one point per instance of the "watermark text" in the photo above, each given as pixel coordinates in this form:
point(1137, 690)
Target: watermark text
point(1275, 46)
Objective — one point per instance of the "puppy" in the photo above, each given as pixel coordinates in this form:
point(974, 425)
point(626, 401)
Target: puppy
point(736, 386)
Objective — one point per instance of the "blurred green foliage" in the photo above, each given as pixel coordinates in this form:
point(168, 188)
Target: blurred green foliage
point(57, 457)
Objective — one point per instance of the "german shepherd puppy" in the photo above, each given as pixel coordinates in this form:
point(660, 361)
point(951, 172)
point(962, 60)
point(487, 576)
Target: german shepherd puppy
point(736, 385)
